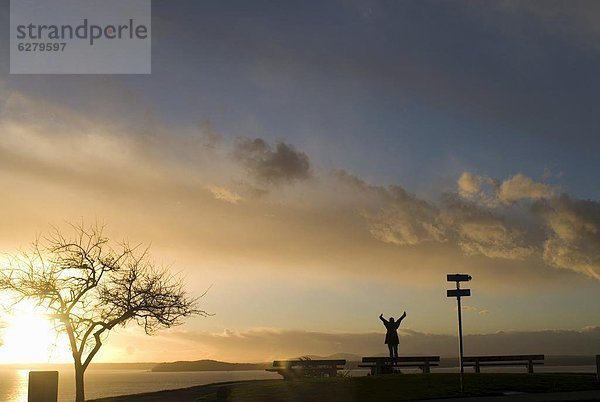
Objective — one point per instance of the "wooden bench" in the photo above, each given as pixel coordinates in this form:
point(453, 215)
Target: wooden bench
point(385, 365)
point(508, 360)
point(291, 369)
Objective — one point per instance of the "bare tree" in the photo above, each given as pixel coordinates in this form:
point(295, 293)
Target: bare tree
point(89, 287)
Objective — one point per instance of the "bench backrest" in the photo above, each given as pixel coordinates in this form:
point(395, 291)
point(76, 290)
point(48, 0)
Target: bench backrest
point(504, 358)
point(402, 359)
point(308, 363)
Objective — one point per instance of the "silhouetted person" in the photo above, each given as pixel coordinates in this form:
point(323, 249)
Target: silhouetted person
point(391, 337)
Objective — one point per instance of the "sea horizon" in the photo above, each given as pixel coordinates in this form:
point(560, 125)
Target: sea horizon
point(575, 360)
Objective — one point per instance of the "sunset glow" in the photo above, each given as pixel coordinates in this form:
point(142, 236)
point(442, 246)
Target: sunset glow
point(29, 337)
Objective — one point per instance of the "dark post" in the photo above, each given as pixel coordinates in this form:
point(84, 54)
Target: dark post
point(43, 386)
point(598, 368)
point(460, 341)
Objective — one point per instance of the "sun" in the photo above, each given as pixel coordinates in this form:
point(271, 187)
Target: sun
point(28, 336)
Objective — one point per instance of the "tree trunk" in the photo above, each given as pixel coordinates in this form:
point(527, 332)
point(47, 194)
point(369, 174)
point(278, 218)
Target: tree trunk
point(79, 388)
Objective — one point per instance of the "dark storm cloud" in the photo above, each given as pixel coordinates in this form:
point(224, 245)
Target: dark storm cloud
point(277, 164)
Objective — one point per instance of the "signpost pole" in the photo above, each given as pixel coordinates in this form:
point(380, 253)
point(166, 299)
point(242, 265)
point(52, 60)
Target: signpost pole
point(458, 293)
point(460, 341)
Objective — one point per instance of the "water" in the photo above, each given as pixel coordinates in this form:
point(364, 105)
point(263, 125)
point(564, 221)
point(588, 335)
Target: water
point(111, 382)
point(103, 382)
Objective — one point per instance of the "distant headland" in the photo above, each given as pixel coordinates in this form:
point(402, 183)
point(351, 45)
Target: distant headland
point(207, 365)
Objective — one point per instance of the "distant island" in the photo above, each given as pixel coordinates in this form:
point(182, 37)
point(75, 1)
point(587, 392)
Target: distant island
point(214, 365)
point(352, 362)
point(208, 365)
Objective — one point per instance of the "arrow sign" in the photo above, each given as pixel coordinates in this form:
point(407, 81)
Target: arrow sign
point(458, 277)
point(458, 292)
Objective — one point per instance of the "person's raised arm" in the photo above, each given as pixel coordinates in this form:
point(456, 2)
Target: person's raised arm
point(402, 317)
point(382, 319)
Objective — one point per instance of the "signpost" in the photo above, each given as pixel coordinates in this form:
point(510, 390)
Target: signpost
point(458, 293)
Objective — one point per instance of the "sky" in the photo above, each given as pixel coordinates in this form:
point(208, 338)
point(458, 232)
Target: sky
point(319, 163)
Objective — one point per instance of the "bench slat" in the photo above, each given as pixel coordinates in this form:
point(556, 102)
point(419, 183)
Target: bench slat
point(528, 361)
point(402, 359)
point(503, 364)
point(502, 358)
point(402, 365)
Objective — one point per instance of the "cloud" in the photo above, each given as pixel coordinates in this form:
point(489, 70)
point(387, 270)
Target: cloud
point(479, 188)
point(573, 228)
point(405, 224)
point(521, 187)
point(493, 240)
point(482, 232)
point(400, 218)
point(225, 194)
point(275, 165)
point(478, 221)
point(489, 191)
point(474, 221)
point(331, 224)
point(394, 216)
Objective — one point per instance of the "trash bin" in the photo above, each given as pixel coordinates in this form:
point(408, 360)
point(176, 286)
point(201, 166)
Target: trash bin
point(43, 386)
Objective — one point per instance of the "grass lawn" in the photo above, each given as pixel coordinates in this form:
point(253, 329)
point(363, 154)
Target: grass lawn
point(395, 387)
